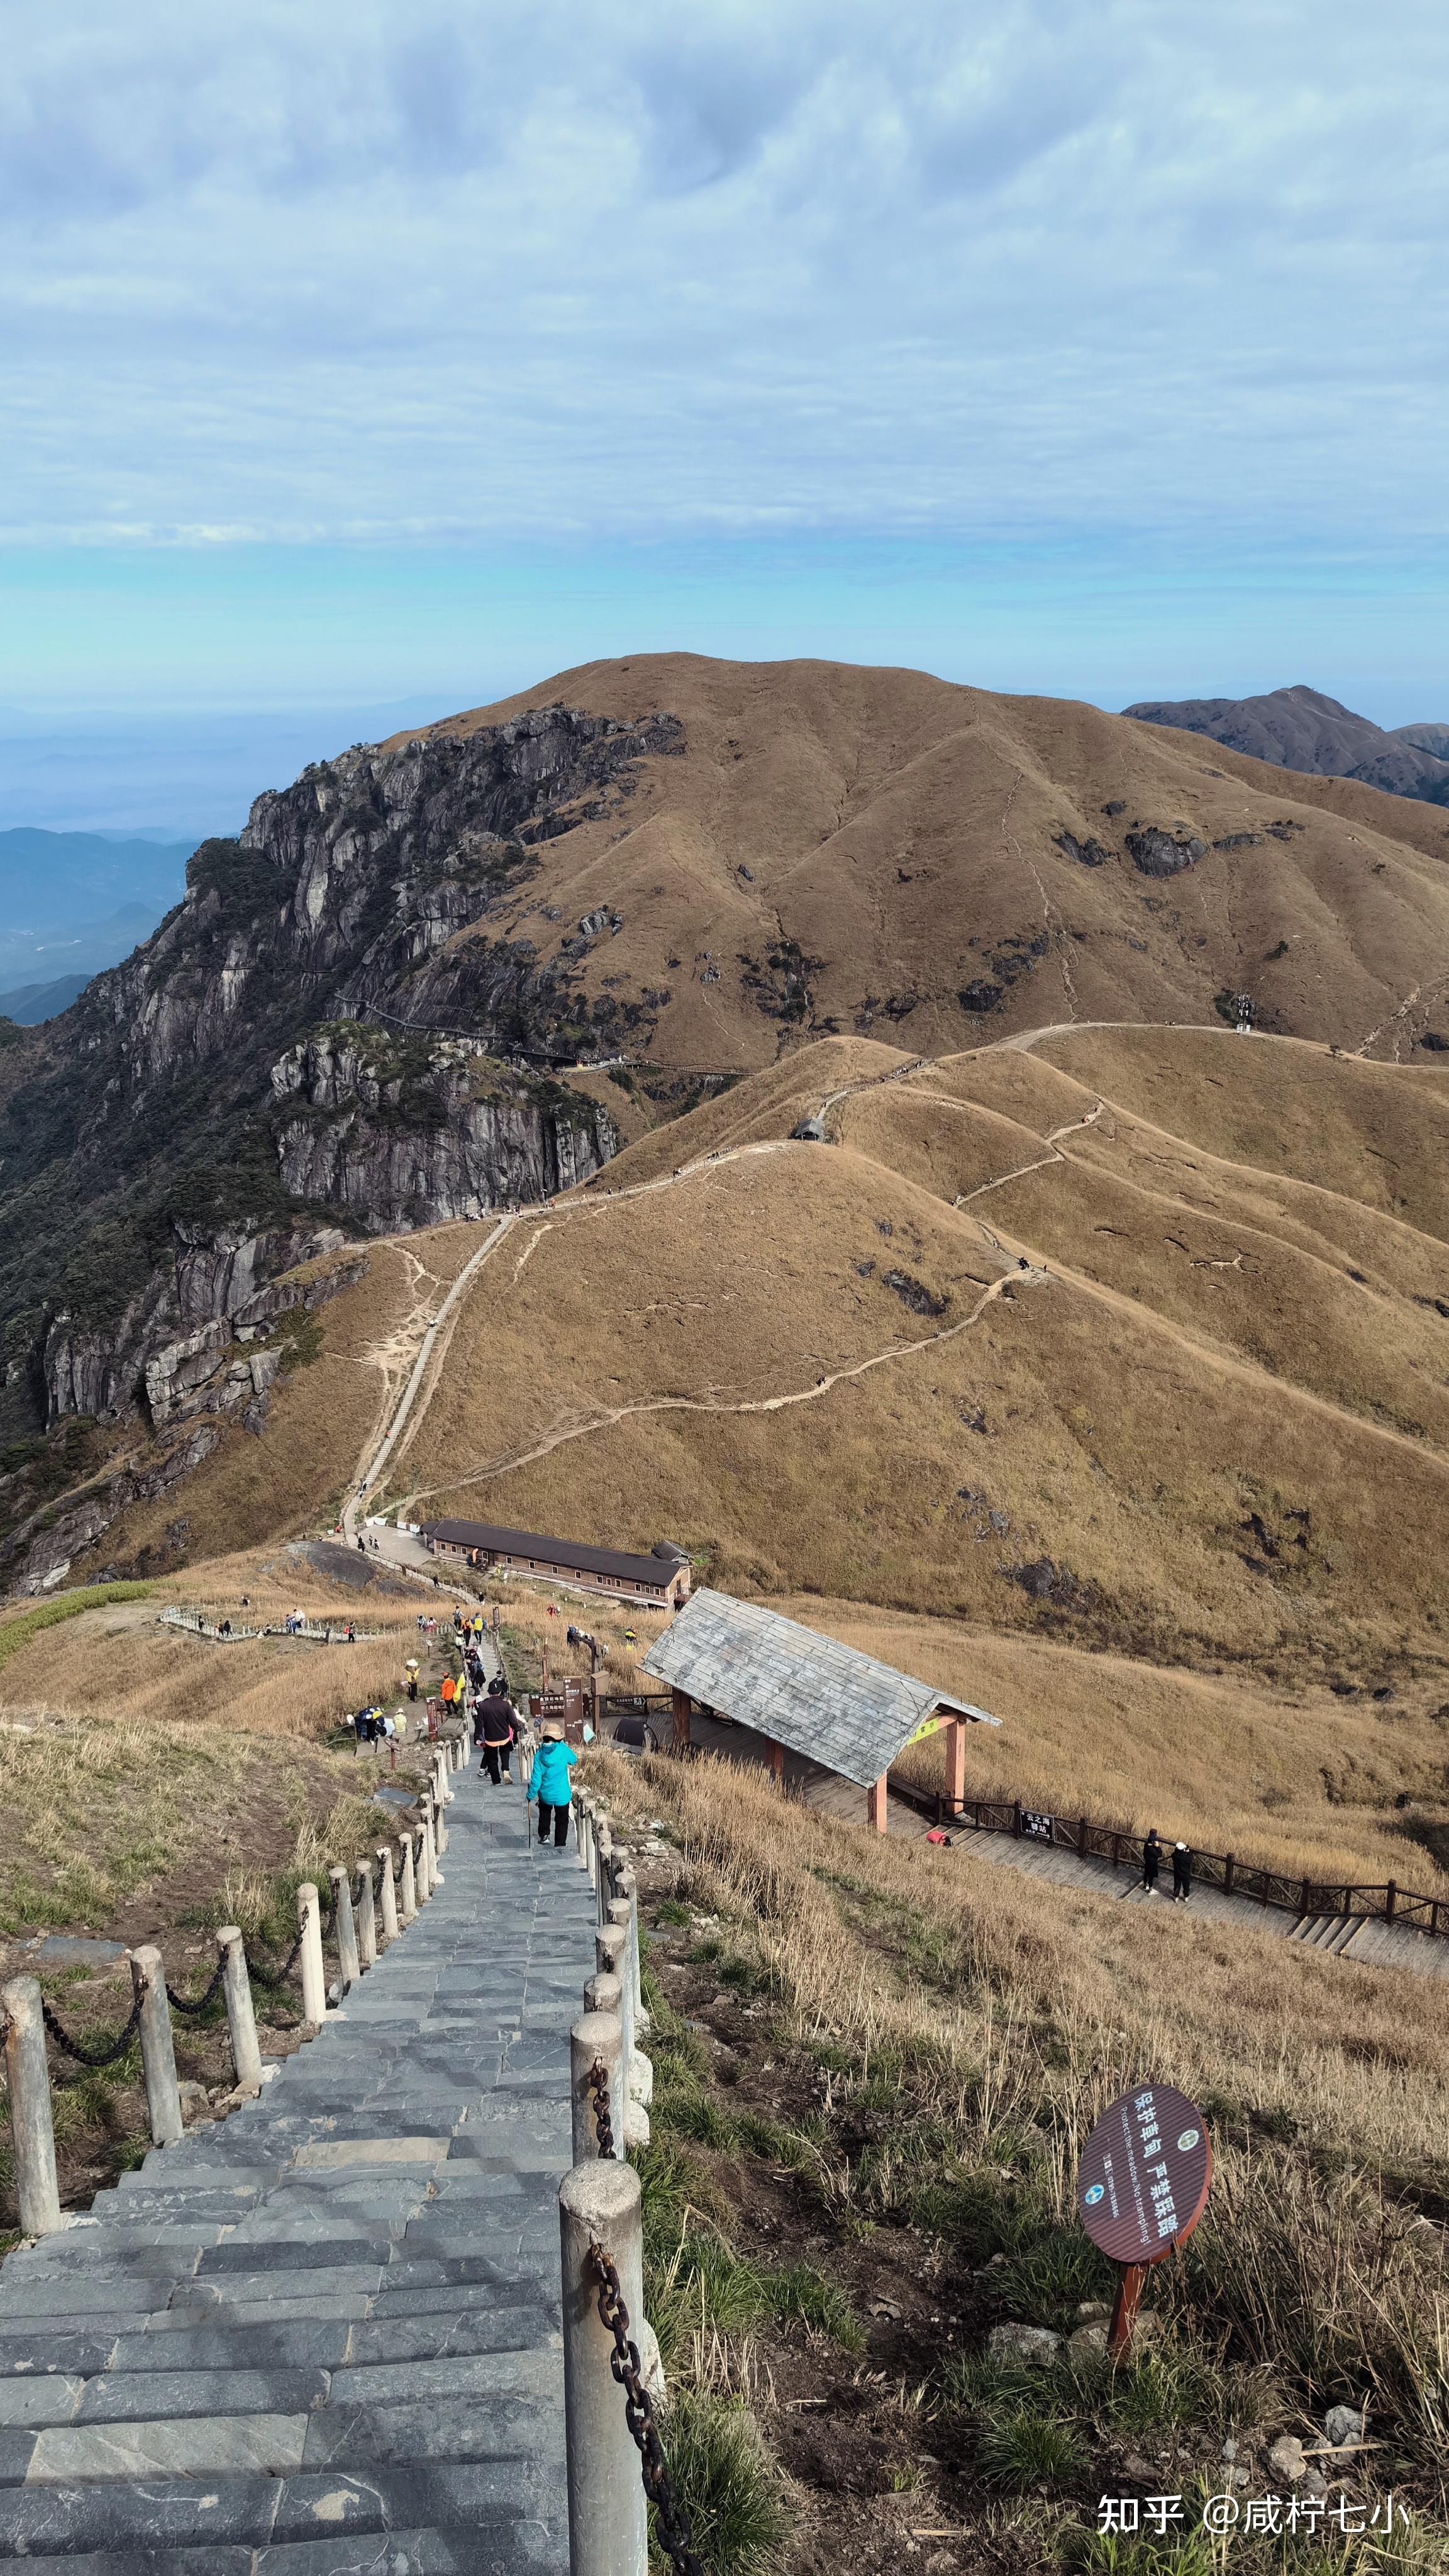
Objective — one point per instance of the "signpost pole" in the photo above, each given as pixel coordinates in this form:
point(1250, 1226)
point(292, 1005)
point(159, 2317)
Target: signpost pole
point(1130, 2279)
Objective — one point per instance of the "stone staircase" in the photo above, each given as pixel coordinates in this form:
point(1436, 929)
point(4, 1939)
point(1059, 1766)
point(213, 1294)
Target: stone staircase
point(323, 2335)
point(1335, 1932)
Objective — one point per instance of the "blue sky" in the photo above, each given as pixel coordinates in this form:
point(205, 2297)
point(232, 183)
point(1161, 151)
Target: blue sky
point(396, 354)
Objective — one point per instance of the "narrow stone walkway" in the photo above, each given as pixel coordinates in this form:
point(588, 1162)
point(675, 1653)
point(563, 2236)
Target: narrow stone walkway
point(1366, 1943)
point(323, 2335)
point(1357, 1938)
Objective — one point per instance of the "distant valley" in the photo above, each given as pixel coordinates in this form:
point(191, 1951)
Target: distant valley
point(73, 903)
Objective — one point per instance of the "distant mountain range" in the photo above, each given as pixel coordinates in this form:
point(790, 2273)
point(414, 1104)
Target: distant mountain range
point(1300, 728)
point(72, 903)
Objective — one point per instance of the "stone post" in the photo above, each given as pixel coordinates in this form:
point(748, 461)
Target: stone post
point(639, 2085)
point(409, 1881)
point(241, 2021)
point(596, 2036)
point(428, 1853)
point(610, 1943)
point(366, 1917)
point(27, 2078)
point(158, 2057)
point(349, 1966)
point(628, 1887)
point(604, 1880)
point(603, 1994)
point(584, 1813)
point(389, 1893)
point(600, 2204)
point(314, 1981)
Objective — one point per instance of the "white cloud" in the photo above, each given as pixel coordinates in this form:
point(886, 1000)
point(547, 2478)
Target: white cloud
point(1034, 264)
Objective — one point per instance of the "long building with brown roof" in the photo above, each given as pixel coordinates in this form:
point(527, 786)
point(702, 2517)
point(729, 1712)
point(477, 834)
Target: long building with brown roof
point(659, 1581)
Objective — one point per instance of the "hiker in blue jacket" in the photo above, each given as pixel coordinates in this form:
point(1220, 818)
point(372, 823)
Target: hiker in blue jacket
point(549, 1784)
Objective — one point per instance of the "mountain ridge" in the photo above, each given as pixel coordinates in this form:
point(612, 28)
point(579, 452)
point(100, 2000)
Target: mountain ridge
point(1300, 728)
point(416, 984)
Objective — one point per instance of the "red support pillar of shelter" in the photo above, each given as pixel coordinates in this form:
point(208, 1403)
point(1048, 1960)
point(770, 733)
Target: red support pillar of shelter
point(956, 1765)
point(680, 1711)
point(875, 1811)
point(776, 1759)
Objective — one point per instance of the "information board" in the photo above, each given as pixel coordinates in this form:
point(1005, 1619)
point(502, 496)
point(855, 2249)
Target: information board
point(1142, 2183)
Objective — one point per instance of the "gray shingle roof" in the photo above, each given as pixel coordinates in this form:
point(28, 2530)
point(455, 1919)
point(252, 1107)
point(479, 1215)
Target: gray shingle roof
point(565, 1552)
point(806, 1691)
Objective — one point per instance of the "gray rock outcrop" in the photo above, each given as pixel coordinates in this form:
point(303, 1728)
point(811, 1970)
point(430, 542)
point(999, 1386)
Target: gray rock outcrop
point(1018, 2347)
point(296, 1053)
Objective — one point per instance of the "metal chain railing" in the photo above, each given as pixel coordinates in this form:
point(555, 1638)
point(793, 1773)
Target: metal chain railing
point(673, 2531)
point(273, 1976)
point(597, 2081)
point(84, 2056)
point(203, 2003)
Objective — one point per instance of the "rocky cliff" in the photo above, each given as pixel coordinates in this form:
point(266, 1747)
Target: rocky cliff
point(322, 1039)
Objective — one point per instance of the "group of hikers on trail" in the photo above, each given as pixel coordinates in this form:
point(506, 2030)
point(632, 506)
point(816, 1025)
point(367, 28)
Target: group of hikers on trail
point(496, 1730)
point(1152, 1851)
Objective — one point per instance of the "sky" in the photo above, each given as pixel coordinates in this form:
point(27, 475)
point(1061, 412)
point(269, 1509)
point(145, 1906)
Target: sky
point(391, 356)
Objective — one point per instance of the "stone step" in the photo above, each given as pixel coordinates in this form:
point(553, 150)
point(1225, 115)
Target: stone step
point(263, 2512)
point(323, 2336)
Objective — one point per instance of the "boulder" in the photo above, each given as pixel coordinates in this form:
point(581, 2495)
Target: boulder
point(1016, 2347)
point(1286, 2461)
point(1088, 2344)
point(1343, 2428)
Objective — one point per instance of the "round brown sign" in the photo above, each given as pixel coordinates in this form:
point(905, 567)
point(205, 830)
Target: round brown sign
point(1142, 2183)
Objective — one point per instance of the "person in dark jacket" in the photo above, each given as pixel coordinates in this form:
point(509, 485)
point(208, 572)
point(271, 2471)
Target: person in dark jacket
point(1151, 1861)
point(1181, 1873)
point(495, 1726)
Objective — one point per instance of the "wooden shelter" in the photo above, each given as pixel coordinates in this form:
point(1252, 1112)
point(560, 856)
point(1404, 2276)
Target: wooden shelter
point(803, 1694)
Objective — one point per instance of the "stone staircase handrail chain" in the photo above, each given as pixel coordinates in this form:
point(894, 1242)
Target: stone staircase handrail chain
point(363, 2172)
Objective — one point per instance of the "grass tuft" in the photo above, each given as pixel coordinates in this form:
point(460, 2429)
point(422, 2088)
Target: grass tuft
point(726, 2483)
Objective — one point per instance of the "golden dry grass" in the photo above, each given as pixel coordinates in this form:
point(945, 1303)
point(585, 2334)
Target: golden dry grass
point(1230, 1456)
point(121, 1664)
point(654, 1367)
point(1299, 1781)
point(1356, 2059)
point(974, 2029)
point(324, 1416)
point(907, 837)
point(101, 1813)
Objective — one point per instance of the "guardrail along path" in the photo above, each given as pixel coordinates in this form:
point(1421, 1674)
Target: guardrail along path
point(324, 2333)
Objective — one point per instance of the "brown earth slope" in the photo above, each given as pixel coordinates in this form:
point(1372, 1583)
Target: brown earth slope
point(881, 852)
point(1068, 1367)
point(1008, 1349)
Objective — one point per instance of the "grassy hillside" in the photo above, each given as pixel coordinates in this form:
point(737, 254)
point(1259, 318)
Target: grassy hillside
point(893, 1370)
point(875, 2067)
point(881, 852)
